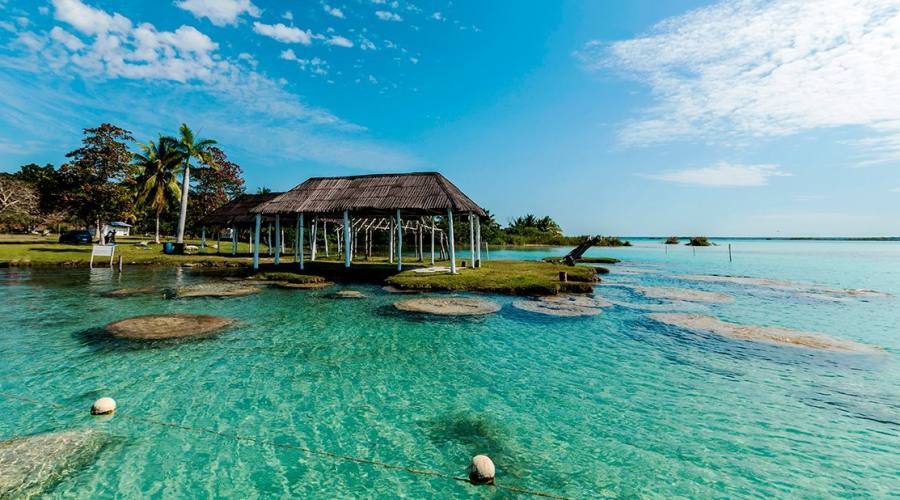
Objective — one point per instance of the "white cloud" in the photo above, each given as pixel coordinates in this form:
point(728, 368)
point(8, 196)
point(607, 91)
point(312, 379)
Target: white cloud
point(282, 33)
point(333, 11)
point(62, 36)
point(219, 12)
point(895, 190)
point(437, 16)
point(751, 68)
point(156, 72)
point(315, 65)
point(385, 15)
point(339, 41)
point(722, 174)
point(366, 44)
point(288, 15)
point(89, 20)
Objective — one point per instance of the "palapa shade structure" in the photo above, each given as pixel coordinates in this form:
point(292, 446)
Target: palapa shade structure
point(370, 197)
point(421, 193)
point(234, 214)
point(237, 211)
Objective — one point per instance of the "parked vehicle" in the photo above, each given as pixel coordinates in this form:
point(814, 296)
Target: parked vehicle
point(76, 237)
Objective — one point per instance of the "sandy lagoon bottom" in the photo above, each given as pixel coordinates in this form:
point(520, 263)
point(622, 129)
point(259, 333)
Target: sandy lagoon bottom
point(612, 404)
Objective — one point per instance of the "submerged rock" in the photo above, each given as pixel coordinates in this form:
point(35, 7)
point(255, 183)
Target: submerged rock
point(167, 326)
point(215, 290)
point(301, 286)
point(448, 306)
point(560, 309)
point(128, 292)
point(30, 465)
point(807, 289)
point(576, 300)
point(767, 334)
point(349, 294)
point(393, 289)
point(669, 293)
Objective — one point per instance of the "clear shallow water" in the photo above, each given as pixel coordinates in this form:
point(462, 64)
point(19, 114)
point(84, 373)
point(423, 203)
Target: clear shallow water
point(615, 404)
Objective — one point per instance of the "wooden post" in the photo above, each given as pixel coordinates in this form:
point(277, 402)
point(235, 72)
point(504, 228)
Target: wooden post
point(314, 228)
point(472, 238)
point(325, 236)
point(346, 238)
point(432, 240)
point(234, 239)
point(300, 229)
point(256, 241)
point(729, 252)
point(399, 242)
point(390, 241)
point(202, 238)
point(218, 240)
point(421, 241)
point(120, 263)
point(563, 276)
point(451, 242)
point(277, 239)
point(477, 241)
point(269, 239)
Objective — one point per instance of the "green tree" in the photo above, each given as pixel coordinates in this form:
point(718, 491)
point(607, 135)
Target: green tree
point(158, 166)
point(191, 149)
point(95, 182)
point(215, 187)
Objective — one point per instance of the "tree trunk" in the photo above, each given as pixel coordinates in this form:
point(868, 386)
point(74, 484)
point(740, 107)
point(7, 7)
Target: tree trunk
point(157, 227)
point(182, 217)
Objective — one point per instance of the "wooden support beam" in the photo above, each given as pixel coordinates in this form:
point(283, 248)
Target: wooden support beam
point(451, 242)
point(256, 241)
point(472, 239)
point(277, 239)
point(300, 228)
point(346, 238)
point(477, 241)
point(399, 242)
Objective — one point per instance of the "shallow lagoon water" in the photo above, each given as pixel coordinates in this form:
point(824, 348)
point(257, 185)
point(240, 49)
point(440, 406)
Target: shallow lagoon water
point(614, 404)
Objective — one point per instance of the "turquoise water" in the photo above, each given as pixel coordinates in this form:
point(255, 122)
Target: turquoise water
point(614, 405)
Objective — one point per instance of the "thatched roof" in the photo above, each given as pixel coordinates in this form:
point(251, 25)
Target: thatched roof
point(237, 211)
point(421, 193)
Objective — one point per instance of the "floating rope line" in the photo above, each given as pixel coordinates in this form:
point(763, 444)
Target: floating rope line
point(309, 451)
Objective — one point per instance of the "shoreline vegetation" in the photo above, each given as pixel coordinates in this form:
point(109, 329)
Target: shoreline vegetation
point(505, 277)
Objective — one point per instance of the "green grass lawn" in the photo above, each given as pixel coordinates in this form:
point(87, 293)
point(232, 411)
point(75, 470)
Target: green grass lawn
point(506, 277)
point(29, 250)
point(511, 277)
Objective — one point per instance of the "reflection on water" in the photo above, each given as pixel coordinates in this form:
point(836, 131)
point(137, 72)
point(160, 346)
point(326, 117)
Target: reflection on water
point(612, 404)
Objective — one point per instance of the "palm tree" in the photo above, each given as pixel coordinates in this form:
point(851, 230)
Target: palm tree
point(191, 149)
point(157, 180)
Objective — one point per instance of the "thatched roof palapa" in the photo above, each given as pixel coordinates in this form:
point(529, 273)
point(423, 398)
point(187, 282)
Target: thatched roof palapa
point(421, 193)
point(237, 211)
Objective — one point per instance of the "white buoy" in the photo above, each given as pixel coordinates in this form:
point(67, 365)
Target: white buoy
point(481, 470)
point(103, 406)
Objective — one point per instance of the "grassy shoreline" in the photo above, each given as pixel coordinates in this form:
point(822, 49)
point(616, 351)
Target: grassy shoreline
point(500, 276)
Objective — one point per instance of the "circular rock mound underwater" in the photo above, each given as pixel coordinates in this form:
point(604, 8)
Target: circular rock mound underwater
point(167, 326)
point(448, 306)
point(215, 290)
point(565, 306)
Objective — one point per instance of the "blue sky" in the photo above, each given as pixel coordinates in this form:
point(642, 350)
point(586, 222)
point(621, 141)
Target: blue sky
point(737, 118)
